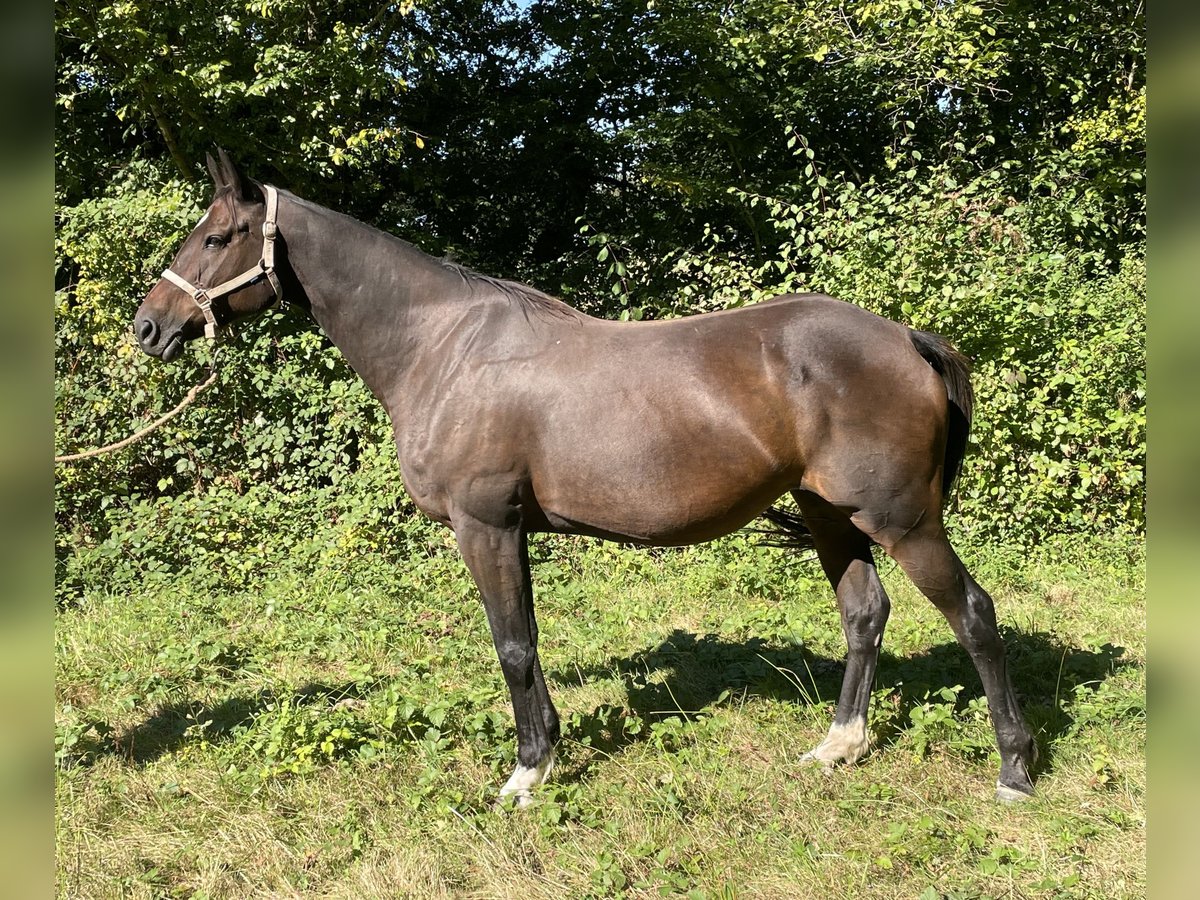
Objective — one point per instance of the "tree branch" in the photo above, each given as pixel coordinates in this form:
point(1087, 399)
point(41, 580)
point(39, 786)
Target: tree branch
point(168, 133)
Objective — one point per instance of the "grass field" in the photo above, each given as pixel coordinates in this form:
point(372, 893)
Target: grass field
point(343, 733)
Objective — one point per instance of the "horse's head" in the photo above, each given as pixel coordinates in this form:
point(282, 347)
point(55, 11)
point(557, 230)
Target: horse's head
point(224, 271)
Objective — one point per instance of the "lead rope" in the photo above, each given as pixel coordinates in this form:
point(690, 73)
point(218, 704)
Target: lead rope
point(157, 423)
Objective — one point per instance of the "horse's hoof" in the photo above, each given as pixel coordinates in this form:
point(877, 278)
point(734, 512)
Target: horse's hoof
point(1015, 784)
point(524, 779)
point(519, 800)
point(844, 744)
point(1008, 794)
point(812, 760)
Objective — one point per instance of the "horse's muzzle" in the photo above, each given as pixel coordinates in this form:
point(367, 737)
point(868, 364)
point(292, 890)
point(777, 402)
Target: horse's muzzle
point(146, 330)
point(157, 341)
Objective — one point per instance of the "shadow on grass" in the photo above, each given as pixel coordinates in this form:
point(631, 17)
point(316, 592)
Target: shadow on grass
point(168, 728)
point(686, 672)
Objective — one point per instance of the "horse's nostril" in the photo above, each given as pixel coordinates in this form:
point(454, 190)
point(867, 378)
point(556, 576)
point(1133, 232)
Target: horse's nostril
point(146, 330)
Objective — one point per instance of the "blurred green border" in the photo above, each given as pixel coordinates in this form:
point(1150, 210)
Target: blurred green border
point(26, 439)
point(1173, 486)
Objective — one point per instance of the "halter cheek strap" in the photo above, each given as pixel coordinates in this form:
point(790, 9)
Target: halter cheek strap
point(203, 297)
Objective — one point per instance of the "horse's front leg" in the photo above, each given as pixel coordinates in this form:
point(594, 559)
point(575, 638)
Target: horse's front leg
point(498, 559)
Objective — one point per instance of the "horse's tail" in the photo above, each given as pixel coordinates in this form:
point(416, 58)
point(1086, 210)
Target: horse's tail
point(955, 370)
point(789, 529)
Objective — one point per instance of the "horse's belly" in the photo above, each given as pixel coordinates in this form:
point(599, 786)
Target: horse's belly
point(661, 487)
point(656, 526)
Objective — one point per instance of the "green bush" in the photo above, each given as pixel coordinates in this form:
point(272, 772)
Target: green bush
point(286, 424)
point(289, 458)
point(1057, 336)
point(1056, 330)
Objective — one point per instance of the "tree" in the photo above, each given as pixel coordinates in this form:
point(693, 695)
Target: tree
point(977, 168)
point(296, 89)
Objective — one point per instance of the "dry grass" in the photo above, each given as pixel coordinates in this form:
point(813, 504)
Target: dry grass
point(710, 801)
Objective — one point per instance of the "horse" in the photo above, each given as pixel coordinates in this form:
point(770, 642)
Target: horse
point(514, 413)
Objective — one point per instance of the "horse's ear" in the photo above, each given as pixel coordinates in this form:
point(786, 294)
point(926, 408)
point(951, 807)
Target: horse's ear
point(225, 174)
point(233, 178)
point(214, 170)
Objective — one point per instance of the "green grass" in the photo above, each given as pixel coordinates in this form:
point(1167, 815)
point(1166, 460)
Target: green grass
point(345, 734)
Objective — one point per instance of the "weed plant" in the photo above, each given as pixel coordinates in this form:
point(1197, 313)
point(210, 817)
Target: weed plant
point(332, 721)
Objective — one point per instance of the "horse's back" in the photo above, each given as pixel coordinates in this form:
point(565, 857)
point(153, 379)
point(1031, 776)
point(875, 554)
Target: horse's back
point(676, 431)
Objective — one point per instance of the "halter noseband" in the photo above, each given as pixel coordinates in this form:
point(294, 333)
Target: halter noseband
point(204, 297)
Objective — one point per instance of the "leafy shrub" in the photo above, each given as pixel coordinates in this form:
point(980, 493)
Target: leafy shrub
point(1056, 330)
point(289, 459)
point(1058, 338)
point(239, 473)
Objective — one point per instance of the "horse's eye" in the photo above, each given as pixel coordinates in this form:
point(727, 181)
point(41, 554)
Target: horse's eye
point(213, 241)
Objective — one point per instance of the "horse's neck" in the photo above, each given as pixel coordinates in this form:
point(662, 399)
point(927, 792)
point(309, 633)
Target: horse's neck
point(373, 294)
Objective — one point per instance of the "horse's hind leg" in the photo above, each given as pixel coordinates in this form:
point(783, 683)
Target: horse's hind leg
point(845, 554)
point(926, 556)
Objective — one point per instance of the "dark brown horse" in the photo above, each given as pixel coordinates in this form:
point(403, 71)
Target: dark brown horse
point(514, 413)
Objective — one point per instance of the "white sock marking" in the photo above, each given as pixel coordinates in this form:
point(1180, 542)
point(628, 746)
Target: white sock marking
point(525, 778)
point(844, 744)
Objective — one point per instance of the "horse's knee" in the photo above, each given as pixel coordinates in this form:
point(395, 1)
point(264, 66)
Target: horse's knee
point(516, 658)
point(863, 603)
point(977, 622)
point(864, 619)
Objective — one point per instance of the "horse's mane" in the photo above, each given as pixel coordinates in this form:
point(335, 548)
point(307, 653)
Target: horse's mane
point(530, 299)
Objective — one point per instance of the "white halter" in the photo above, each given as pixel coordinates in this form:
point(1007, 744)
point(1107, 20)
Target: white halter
point(204, 297)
